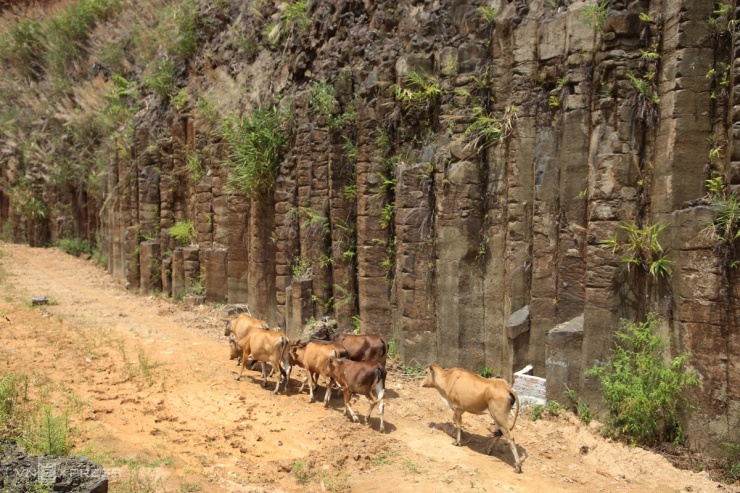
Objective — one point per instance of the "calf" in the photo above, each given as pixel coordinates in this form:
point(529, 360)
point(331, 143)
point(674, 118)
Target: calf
point(367, 347)
point(264, 346)
point(359, 377)
point(312, 357)
point(466, 392)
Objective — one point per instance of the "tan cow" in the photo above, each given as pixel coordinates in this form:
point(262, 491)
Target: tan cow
point(466, 392)
point(312, 357)
point(359, 377)
point(265, 346)
point(239, 326)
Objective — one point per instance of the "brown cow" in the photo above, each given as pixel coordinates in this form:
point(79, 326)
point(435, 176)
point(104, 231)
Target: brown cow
point(359, 377)
point(265, 346)
point(366, 347)
point(239, 326)
point(312, 357)
point(466, 392)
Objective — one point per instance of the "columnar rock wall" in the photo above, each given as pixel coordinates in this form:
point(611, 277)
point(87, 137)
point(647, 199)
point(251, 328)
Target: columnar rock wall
point(460, 249)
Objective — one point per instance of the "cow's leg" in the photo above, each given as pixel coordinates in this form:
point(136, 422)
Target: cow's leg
point(379, 388)
point(329, 388)
point(276, 365)
point(245, 353)
point(311, 388)
point(303, 383)
point(502, 429)
point(373, 401)
point(347, 398)
point(264, 375)
point(458, 423)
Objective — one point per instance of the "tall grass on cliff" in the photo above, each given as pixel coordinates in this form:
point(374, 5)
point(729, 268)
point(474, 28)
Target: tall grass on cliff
point(74, 74)
point(257, 142)
point(643, 391)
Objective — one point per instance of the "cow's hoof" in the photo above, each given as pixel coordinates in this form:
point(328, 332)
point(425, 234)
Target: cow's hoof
point(456, 443)
point(354, 418)
point(518, 469)
point(382, 429)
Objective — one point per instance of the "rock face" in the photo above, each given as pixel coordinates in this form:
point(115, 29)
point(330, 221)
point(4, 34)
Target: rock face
point(464, 216)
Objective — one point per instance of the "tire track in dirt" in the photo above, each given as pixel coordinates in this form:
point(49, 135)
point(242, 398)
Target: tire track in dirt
point(159, 385)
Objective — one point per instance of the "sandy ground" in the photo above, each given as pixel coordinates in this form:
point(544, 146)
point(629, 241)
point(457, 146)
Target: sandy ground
point(157, 403)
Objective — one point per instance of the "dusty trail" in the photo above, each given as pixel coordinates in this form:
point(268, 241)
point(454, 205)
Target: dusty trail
point(159, 403)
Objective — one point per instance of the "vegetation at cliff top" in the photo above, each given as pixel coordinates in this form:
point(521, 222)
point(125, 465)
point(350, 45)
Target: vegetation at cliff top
point(257, 142)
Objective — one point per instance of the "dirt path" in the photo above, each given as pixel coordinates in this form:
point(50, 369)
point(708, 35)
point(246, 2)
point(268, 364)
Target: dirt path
point(159, 406)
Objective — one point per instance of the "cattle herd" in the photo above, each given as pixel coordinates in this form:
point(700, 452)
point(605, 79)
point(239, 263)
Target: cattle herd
point(356, 364)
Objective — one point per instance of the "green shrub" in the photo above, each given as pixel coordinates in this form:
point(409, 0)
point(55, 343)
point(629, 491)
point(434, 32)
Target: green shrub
point(642, 248)
point(488, 14)
point(641, 391)
point(323, 100)
point(596, 15)
point(731, 464)
point(183, 232)
point(160, 77)
point(294, 19)
point(420, 90)
point(48, 433)
point(486, 372)
point(553, 407)
point(488, 128)
point(257, 141)
point(582, 410)
point(392, 350)
point(301, 473)
point(13, 390)
point(537, 410)
point(74, 246)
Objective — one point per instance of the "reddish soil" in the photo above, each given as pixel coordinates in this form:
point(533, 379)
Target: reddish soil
point(157, 403)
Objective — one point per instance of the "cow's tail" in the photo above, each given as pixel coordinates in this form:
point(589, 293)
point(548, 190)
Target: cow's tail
point(379, 383)
point(513, 398)
point(284, 344)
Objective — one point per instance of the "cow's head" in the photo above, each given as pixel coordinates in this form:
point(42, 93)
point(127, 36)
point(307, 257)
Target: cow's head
point(429, 376)
point(293, 352)
point(234, 348)
point(227, 330)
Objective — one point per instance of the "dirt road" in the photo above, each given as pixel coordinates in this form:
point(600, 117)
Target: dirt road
point(157, 403)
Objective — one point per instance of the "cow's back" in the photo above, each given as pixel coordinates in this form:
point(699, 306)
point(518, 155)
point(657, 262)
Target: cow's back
point(243, 324)
point(472, 392)
point(317, 354)
point(367, 347)
point(263, 343)
point(358, 374)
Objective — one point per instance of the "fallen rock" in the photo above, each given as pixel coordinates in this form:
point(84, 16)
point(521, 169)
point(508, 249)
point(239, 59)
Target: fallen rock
point(21, 472)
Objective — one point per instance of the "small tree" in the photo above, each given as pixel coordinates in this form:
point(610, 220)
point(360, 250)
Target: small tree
point(642, 392)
